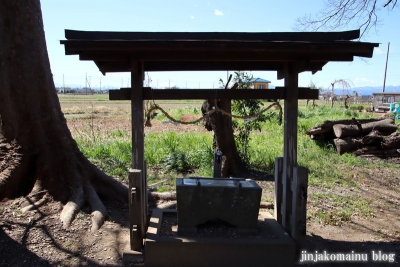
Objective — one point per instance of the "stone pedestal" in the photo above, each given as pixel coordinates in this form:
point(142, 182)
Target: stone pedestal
point(216, 246)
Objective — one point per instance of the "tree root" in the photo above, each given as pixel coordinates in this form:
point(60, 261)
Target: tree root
point(168, 205)
point(35, 205)
point(99, 212)
point(155, 196)
point(72, 207)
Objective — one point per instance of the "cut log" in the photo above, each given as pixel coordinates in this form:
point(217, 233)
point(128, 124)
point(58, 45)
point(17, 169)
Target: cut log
point(326, 126)
point(376, 151)
point(380, 155)
point(368, 150)
point(373, 137)
point(392, 141)
point(347, 144)
point(343, 130)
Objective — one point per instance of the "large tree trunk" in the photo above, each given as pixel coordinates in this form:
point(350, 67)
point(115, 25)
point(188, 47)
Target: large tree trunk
point(224, 138)
point(37, 152)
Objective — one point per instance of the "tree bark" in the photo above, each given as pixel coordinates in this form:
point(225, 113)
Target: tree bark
point(342, 130)
point(37, 151)
point(224, 138)
point(346, 144)
point(392, 141)
point(327, 126)
point(376, 151)
point(373, 137)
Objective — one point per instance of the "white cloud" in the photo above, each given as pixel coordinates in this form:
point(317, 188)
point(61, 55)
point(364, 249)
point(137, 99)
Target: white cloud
point(218, 13)
point(359, 82)
point(192, 17)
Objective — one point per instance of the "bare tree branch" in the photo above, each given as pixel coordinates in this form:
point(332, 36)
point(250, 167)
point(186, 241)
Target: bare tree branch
point(339, 14)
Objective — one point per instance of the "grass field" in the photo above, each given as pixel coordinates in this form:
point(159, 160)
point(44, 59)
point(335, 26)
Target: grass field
point(102, 132)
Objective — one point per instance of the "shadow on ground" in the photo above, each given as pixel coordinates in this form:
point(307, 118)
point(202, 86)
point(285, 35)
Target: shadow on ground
point(375, 253)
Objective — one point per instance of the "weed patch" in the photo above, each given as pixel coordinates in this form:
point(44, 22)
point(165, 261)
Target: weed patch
point(335, 209)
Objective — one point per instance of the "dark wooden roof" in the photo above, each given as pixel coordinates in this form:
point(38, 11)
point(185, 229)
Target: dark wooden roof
point(197, 51)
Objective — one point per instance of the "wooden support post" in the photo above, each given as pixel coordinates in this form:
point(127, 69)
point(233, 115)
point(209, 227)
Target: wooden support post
point(290, 140)
point(137, 115)
point(278, 189)
point(137, 217)
point(299, 206)
point(145, 200)
point(135, 209)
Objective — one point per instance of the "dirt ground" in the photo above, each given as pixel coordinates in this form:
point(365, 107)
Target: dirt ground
point(36, 238)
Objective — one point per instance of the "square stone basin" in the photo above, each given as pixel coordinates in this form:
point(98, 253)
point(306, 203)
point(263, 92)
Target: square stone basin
point(201, 200)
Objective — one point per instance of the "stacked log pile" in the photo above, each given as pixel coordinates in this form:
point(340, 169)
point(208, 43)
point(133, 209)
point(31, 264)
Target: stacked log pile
point(367, 137)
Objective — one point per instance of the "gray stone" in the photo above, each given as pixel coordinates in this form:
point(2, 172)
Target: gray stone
point(235, 201)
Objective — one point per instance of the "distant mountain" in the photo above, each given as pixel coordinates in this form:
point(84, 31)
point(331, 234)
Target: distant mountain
point(368, 90)
point(377, 89)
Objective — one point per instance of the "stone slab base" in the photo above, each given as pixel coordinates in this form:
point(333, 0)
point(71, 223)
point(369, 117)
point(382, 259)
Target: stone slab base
point(213, 246)
point(131, 256)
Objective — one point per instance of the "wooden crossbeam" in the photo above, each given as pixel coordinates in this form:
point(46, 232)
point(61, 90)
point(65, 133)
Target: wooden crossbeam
point(190, 94)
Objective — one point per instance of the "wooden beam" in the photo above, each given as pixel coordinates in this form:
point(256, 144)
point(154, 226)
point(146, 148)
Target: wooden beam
point(121, 66)
point(212, 65)
point(233, 49)
point(256, 36)
point(213, 55)
point(289, 141)
point(182, 94)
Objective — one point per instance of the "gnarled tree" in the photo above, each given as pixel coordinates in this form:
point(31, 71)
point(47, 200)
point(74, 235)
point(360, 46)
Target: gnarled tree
point(38, 156)
point(224, 140)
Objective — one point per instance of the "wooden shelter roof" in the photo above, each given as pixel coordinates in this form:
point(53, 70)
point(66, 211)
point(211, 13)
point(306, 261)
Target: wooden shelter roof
point(204, 51)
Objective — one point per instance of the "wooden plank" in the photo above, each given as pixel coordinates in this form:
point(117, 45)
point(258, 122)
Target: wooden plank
point(299, 206)
point(230, 50)
point(135, 209)
point(215, 55)
point(210, 65)
point(122, 94)
point(256, 36)
point(278, 189)
point(181, 94)
point(122, 66)
point(289, 141)
point(117, 66)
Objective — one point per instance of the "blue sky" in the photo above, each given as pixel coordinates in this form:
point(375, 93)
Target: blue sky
point(212, 16)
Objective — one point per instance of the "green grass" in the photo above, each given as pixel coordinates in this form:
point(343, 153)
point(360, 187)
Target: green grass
point(171, 154)
point(339, 209)
point(112, 153)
